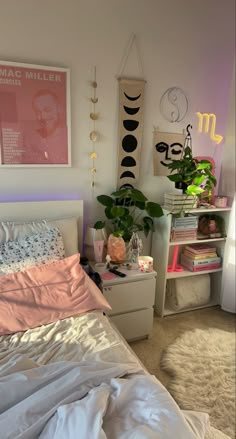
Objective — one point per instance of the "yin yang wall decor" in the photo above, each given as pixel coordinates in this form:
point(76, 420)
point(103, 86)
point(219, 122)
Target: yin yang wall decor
point(131, 101)
point(174, 104)
point(166, 147)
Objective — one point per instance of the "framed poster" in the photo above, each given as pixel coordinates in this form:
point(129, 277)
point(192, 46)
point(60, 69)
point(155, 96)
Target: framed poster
point(34, 116)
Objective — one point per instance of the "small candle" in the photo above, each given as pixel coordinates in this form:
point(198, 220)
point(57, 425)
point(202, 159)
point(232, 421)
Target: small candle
point(145, 263)
point(220, 201)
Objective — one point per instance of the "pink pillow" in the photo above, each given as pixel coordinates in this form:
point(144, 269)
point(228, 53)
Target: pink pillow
point(44, 294)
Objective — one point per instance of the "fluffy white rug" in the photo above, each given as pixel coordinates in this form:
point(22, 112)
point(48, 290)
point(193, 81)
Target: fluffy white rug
point(202, 366)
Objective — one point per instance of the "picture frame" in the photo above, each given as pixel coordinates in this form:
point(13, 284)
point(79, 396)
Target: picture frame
point(35, 129)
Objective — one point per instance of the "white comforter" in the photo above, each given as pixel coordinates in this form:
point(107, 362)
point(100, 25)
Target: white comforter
point(100, 392)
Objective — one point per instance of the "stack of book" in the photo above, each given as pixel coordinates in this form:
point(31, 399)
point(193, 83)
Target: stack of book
point(200, 257)
point(184, 229)
point(176, 203)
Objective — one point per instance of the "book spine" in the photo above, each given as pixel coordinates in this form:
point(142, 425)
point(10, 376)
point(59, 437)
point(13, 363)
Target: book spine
point(179, 197)
point(183, 237)
point(184, 223)
point(203, 256)
point(207, 267)
point(201, 267)
point(184, 227)
point(200, 251)
point(199, 262)
point(184, 232)
point(186, 219)
point(208, 261)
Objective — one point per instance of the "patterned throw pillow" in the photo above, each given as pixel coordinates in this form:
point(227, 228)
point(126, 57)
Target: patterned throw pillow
point(41, 248)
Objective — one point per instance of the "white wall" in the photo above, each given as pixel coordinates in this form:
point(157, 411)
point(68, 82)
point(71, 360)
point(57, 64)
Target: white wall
point(185, 43)
point(227, 181)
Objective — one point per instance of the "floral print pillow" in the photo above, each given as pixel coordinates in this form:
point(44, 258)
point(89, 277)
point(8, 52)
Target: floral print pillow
point(41, 248)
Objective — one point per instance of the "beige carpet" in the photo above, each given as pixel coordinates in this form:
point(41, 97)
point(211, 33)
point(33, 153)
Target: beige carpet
point(202, 366)
point(168, 329)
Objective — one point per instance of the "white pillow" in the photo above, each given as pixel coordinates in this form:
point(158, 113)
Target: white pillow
point(41, 248)
point(11, 231)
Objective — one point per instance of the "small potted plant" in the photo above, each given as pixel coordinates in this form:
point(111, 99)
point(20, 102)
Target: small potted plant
point(128, 210)
point(191, 175)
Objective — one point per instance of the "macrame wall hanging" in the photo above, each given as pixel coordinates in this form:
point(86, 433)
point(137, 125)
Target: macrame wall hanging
point(131, 102)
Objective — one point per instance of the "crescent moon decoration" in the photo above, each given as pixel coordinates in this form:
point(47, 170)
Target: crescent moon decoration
point(131, 111)
point(93, 136)
point(93, 116)
point(130, 125)
point(126, 185)
point(128, 162)
point(128, 174)
point(129, 143)
point(132, 98)
point(174, 104)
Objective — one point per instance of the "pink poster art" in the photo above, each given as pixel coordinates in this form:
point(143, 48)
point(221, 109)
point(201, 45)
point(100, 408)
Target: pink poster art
point(34, 115)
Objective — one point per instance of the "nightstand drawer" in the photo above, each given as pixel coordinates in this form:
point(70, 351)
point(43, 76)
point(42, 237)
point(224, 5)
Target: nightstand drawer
point(130, 296)
point(134, 325)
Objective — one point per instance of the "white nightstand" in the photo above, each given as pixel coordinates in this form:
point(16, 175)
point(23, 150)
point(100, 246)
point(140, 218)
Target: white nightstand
point(132, 299)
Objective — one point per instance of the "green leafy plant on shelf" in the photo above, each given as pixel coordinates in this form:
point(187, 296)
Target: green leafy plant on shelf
point(128, 210)
point(195, 176)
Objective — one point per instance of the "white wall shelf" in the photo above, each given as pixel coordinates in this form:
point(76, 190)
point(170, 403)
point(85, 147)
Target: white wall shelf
point(173, 243)
point(169, 312)
point(162, 252)
point(185, 273)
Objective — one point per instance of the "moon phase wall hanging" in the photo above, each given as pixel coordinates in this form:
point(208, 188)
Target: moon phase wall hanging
point(131, 100)
point(174, 104)
point(167, 147)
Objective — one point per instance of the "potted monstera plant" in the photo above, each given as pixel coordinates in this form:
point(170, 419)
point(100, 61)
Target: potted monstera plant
point(127, 210)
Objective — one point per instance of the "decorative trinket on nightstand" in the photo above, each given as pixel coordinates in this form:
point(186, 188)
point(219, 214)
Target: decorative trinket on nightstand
point(135, 249)
point(108, 262)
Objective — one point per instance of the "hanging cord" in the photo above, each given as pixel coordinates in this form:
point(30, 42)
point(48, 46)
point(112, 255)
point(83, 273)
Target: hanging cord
point(132, 42)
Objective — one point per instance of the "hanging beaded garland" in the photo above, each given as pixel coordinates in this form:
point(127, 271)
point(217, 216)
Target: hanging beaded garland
point(93, 134)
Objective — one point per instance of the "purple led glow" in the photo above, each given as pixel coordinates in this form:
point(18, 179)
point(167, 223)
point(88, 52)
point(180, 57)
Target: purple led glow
point(47, 197)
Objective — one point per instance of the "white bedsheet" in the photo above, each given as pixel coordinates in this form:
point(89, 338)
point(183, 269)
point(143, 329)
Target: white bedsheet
point(88, 337)
point(86, 400)
point(99, 391)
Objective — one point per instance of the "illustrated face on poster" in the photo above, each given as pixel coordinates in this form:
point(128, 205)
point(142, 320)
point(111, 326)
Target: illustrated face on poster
point(167, 147)
point(34, 115)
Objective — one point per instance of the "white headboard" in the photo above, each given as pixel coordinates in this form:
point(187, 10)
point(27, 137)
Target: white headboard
point(38, 210)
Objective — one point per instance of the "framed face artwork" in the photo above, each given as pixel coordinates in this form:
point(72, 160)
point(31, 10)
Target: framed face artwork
point(167, 147)
point(34, 115)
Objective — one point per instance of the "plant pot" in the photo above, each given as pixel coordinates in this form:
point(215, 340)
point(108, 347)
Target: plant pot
point(181, 185)
point(116, 248)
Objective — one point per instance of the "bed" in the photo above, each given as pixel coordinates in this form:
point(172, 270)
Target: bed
point(65, 371)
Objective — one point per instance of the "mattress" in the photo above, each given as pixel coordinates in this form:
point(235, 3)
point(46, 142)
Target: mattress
point(78, 378)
